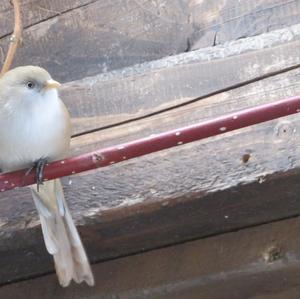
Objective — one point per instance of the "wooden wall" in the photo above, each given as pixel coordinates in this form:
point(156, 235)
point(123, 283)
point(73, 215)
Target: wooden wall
point(229, 55)
point(260, 262)
point(78, 38)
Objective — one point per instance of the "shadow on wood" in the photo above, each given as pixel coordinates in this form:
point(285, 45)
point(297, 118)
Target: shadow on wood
point(261, 262)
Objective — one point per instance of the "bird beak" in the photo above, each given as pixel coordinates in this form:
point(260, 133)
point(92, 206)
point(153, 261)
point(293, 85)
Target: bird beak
point(52, 84)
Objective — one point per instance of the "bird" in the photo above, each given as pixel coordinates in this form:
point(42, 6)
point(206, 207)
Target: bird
point(35, 128)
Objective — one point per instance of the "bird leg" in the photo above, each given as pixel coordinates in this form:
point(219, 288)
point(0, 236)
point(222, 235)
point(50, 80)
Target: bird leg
point(39, 166)
point(39, 171)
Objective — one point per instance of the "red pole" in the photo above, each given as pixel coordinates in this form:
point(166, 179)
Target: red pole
point(140, 147)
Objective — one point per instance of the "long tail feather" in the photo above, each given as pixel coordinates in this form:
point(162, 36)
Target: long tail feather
point(60, 234)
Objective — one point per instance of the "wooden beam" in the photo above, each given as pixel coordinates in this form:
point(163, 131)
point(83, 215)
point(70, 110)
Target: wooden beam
point(35, 12)
point(98, 36)
point(145, 89)
point(188, 192)
point(103, 35)
point(261, 262)
point(263, 91)
point(216, 22)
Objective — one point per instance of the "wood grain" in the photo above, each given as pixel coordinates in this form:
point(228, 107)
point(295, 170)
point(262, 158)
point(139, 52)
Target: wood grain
point(134, 92)
point(104, 35)
point(75, 39)
point(216, 22)
point(184, 193)
point(189, 192)
point(261, 262)
point(264, 91)
point(36, 11)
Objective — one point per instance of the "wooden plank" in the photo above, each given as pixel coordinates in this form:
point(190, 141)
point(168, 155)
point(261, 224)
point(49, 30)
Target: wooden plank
point(261, 262)
point(264, 91)
point(104, 35)
point(188, 192)
point(35, 11)
point(216, 22)
point(130, 32)
point(162, 186)
point(230, 19)
point(115, 34)
point(148, 88)
point(157, 200)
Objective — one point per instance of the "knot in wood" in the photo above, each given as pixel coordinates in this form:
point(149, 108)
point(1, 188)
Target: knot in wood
point(285, 129)
point(272, 254)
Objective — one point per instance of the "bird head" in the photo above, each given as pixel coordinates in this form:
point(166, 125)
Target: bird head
point(27, 84)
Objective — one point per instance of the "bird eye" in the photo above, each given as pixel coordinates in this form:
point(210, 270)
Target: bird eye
point(30, 85)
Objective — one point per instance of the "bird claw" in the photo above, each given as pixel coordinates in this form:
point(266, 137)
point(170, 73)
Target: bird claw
point(39, 166)
point(39, 171)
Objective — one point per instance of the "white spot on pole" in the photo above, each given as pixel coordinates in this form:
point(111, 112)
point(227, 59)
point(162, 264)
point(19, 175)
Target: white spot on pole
point(223, 129)
point(177, 133)
point(180, 142)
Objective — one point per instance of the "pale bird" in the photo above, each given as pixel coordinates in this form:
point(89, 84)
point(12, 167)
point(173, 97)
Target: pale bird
point(35, 127)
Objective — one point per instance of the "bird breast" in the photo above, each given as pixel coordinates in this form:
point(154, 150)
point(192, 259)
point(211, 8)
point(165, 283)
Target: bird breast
point(32, 131)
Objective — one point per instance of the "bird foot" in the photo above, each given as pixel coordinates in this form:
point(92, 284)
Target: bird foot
point(39, 171)
point(39, 166)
